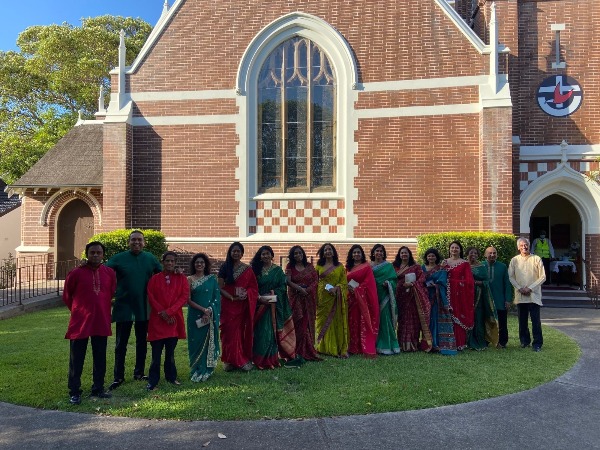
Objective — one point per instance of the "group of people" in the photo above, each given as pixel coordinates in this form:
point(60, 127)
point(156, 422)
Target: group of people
point(260, 315)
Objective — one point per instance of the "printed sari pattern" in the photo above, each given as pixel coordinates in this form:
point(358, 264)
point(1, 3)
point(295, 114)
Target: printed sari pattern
point(485, 325)
point(440, 323)
point(387, 340)
point(332, 312)
point(363, 311)
point(460, 291)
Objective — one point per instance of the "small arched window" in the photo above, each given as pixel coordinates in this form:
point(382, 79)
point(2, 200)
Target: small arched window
point(296, 119)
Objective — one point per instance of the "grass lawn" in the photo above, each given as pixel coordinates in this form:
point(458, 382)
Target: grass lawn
point(34, 360)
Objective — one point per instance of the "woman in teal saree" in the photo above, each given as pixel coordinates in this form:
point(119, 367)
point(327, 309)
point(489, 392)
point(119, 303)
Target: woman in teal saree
point(204, 310)
point(274, 335)
point(386, 280)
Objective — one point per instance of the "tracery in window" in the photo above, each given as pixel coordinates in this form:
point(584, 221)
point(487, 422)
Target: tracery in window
point(296, 119)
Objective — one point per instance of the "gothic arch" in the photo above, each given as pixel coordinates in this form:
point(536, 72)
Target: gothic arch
point(62, 197)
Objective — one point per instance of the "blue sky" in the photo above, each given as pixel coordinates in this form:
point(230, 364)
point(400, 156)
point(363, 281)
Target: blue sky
point(20, 14)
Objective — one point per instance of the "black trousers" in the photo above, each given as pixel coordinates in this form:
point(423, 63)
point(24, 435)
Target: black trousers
point(502, 326)
point(123, 330)
point(532, 310)
point(546, 263)
point(169, 345)
point(77, 358)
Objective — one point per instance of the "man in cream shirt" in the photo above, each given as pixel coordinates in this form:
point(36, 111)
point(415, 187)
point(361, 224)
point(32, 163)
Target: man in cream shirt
point(526, 273)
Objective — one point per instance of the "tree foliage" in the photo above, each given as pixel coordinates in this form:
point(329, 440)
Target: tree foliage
point(57, 72)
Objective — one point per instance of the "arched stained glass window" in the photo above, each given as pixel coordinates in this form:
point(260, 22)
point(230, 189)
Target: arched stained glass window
point(296, 119)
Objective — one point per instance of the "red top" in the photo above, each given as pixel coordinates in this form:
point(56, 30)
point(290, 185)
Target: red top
point(88, 293)
point(169, 295)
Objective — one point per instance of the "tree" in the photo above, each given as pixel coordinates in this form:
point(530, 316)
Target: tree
point(56, 74)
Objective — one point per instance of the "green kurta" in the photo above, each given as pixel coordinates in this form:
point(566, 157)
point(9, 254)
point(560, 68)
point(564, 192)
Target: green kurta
point(500, 287)
point(133, 273)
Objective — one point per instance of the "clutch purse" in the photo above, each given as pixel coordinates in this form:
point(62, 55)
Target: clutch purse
point(202, 321)
point(410, 278)
point(353, 284)
point(270, 298)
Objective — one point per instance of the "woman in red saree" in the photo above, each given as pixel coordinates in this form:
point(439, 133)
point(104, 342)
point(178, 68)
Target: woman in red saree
point(461, 293)
point(363, 304)
point(302, 280)
point(413, 304)
point(239, 293)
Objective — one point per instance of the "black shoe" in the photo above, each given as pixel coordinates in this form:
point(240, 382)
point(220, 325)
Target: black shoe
point(75, 400)
point(115, 384)
point(101, 394)
point(537, 349)
point(149, 387)
point(140, 378)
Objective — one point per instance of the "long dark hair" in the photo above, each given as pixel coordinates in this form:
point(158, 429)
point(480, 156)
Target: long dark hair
point(226, 270)
point(461, 254)
point(350, 260)
point(292, 260)
point(321, 255)
point(433, 251)
point(398, 260)
point(257, 263)
point(206, 263)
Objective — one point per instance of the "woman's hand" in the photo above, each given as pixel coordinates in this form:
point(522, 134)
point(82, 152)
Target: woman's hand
point(407, 285)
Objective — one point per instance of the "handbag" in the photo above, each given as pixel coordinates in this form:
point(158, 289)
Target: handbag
point(202, 321)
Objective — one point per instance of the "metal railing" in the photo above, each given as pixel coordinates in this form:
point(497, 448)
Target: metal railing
point(592, 286)
point(19, 283)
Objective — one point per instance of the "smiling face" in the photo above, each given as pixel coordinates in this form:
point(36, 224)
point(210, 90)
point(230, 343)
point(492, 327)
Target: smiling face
point(455, 251)
point(328, 251)
point(136, 243)
point(473, 256)
point(523, 247)
point(199, 266)
point(491, 254)
point(266, 257)
point(378, 254)
point(357, 255)
point(404, 255)
point(236, 253)
point(431, 259)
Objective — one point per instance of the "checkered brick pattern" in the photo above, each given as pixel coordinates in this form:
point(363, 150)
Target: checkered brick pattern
point(530, 171)
point(297, 216)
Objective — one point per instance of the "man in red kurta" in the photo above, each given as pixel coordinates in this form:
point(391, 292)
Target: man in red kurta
point(167, 293)
point(88, 293)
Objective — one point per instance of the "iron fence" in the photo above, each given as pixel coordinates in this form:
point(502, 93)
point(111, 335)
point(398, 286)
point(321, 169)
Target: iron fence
point(22, 282)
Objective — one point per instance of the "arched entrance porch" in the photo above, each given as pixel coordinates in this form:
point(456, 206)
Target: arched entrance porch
point(74, 228)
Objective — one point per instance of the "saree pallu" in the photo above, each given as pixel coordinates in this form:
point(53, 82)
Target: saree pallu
point(440, 322)
point(363, 311)
point(460, 291)
point(274, 333)
point(203, 343)
point(387, 340)
point(332, 312)
point(237, 317)
point(304, 309)
point(485, 326)
point(414, 306)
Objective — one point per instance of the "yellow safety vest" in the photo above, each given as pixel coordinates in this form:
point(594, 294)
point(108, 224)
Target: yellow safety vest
point(542, 249)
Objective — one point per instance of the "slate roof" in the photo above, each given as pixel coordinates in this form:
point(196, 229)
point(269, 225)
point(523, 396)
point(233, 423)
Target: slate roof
point(75, 161)
point(7, 204)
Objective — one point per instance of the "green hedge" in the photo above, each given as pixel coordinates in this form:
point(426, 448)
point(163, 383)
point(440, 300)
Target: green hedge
point(505, 244)
point(118, 241)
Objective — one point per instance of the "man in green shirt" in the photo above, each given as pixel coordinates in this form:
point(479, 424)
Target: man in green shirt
point(502, 292)
point(134, 268)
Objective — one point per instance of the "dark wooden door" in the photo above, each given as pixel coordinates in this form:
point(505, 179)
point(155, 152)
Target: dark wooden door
point(75, 227)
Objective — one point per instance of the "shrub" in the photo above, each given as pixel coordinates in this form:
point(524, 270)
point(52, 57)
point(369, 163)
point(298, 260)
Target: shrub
point(505, 244)
point(118, 241)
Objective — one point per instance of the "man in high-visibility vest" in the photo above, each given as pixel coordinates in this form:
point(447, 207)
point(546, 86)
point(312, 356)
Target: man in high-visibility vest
point(542, 247)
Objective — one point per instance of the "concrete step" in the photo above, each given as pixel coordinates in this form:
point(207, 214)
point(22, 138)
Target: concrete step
point(565, 298)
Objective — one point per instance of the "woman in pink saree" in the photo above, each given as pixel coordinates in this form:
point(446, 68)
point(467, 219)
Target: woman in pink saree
point(363, 304)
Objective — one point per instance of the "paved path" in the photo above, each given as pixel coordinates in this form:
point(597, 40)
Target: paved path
point(563, 414)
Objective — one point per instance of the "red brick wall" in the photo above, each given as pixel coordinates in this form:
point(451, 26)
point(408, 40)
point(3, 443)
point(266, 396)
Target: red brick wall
point(117, 175)
point(536, 54)
point(592, 250)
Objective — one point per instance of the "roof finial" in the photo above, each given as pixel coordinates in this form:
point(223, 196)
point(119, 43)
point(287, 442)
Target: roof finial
point(101, 99)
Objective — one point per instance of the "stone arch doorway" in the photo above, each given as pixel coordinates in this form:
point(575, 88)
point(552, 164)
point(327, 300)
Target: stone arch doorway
point(74, 228)
point(559, 218)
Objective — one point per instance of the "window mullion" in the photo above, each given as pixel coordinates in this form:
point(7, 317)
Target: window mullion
point(309, 119)
point(284, 127)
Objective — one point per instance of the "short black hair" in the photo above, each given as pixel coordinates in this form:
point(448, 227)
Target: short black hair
point(136, 232)
point(168, 253)
point(432, 251)
point(93, 244)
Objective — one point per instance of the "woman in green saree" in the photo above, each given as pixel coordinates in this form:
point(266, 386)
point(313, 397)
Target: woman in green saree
point(274, 335)
point(204, 310)
point(385, 278)
point(485, 328)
